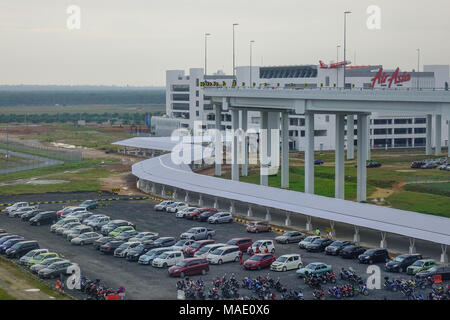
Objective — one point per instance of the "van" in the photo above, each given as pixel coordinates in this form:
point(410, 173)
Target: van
point(167, 259)
point(21, 248)
point(47, 217)
point(224, 254)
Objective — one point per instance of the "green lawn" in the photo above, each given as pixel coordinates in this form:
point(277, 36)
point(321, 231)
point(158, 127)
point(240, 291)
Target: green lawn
point(421, 202)
point(440, 188)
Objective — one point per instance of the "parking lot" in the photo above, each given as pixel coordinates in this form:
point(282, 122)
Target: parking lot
point(147, 282)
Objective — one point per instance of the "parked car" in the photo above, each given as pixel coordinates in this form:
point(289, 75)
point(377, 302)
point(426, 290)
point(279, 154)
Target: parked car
point(259, 261)
point(165, 242)
point(74, 212)
point(242, 243)
point(124, 248)
point(28, 215)
point(315, 268)
point(290, 236)
point(417, 164)
point(261, 245)
point(318, 245)
point(148, 257)
point(127, 235)
point(401, 262)
point(205, 250)
point(85, 216)
point(224, 254)
point(89, 204)
point(113, 224)
point(220, 217)
point(183, 244)
point(44, 264)
point(55, 269)
point(198, 233)
point(189, 267)
point(258, 226)
point(163, 205)
point(41, 257)
point(99, 222)
point(33, 253)
point(109, 247)
point(93, 217)
point(134, 253)
point(18, 213)
point(101, 241)
point(196, 246)
point(351, 252)
point(77, 231)
point(21, 248)
point(16, 206)
point(7, 237)
point(373, 164)
point(374, 255)
point(85, 238)
point(318, 162)
point(443, 271)
point(185, 211)
point(41, 218)
point(287, 262)
point(65, 211)
point(167, 259)
point(420, 265)
point(194, 213)
point(335, 248)
point(67, 226)
point(145, 236)
point(62, 222)
point(204, 216)
point(8, 244)
point(176, 206)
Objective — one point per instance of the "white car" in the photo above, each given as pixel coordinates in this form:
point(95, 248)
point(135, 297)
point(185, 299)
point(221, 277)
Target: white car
point(167, 259)
point(185, 211)
point(221, 217)
point(204, 251)
point(261, 245)
point(287, 262)
point(62, 222)
point(183, 244)
point(163, 205)
point(16, 206)
point(224, 254)
point(175, 207)
point(17, 213)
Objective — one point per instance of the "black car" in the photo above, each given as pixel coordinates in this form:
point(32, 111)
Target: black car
point(318, 245)
point(443, 271)
point(55, 269)
point(165, 242)
point(109, 247)
point(48, 217)
point(335, 248)
point(21, 248)
point(318, 162)
point(351, 252)
point(374, 255)
point(99, 242)
point(205, 215)
point(400, 263)
point(373, 164)
point(136, 252)
point(28, 215)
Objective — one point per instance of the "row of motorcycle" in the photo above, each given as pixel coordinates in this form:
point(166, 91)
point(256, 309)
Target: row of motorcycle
point(95, 290)
point(409, 288)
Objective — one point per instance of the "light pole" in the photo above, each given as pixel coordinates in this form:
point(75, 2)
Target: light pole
point(337, 69)
point(206, 50)
point(251, 42)
point(345, 40)
point(418, 66)
point(234, 58)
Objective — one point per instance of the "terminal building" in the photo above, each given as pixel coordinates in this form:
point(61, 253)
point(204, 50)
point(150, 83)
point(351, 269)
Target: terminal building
point(186, 101)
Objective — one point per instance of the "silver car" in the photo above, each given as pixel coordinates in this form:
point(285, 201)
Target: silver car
point(77, 231)
point(44, 264)
point(86, 238)
point(163, 205)
point(30, 255)
point(221, 217)
point(62, 222)
point(67, 227)
point(290, 236)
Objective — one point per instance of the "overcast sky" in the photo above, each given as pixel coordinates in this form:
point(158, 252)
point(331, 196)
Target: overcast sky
point(134, 42)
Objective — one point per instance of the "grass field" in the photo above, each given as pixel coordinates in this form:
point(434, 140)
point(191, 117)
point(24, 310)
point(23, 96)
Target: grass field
point(153, 108)
point(13, 161)
point(420, 202)
point(441, 188)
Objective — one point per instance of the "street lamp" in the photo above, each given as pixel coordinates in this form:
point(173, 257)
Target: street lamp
point(418, 66)
point(206, 50)
point(345, 40)
point(337, 69)
point(234, 58)
point(251, 42)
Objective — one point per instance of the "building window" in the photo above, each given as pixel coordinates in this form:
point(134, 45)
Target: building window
point(197, 114)
point(197, 82)
point(402, 121)
point(327, 118)
point(420, 130)
point(196, 93)
point(420, 120)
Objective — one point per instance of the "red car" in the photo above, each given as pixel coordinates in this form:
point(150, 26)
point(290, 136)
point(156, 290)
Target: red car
point(189, 267)
point(196, 213)
point(242, 243)
point(61, 213)
point(259, 261)
point(197, 245)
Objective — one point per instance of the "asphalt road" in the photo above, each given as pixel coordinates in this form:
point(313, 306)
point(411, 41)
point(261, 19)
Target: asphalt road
point(146, 282)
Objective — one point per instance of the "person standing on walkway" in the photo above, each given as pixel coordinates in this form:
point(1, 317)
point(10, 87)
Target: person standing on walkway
point(317, 232)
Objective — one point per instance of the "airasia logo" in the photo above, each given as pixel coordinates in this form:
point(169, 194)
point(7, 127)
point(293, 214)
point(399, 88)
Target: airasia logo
point(396, 78)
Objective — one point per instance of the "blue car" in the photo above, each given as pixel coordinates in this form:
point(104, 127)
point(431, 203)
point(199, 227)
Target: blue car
point(8, 244)
point(89, 204)
point(9, 237)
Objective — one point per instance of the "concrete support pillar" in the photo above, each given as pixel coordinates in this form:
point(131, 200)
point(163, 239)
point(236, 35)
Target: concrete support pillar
point(356, 236)
point(448, 137)
point(186, 198)
point(200, 200)
point(232, 208)
point(219, 144)
point(234, 145)
point(339, 180)
point(285, 150)
point(444, 257)
point(287, 221)
point(362, 154)
point(309, 153)
point(333, 231)
point(244, 127)
point(216, 203)
point(174, 194)
point(268, 215)
point(438, 134)
point(263, 143)
point(369, 145)
point(153, 188)
point(163, 191)
point(429, 130)
point(350, 137)
point(249, 211)
point(412, 245)
point(383, 242)
point(308, 223)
